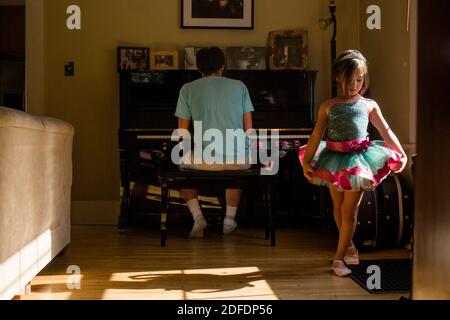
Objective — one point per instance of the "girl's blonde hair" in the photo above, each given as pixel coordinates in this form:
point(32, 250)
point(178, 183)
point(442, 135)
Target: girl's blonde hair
point(345, 68)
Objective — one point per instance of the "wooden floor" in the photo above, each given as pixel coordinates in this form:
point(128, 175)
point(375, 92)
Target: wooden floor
point(238, 266)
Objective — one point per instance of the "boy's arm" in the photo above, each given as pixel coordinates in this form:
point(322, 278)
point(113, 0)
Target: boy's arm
point(183, 123)
point(248, 122)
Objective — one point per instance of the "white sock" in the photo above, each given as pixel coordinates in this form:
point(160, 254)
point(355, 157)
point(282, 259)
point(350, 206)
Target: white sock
point(230, 214)
point(195, 209)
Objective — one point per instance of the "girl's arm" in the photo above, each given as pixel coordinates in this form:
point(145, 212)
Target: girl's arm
point(377, 119)
point(314, 139)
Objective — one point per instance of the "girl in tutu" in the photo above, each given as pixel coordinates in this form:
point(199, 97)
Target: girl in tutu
point(348, 162)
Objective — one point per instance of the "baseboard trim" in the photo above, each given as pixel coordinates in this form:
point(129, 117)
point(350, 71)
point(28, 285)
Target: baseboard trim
point(95, 212)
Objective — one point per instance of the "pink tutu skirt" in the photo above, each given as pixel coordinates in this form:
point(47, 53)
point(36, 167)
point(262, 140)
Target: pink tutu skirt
point(352, 165)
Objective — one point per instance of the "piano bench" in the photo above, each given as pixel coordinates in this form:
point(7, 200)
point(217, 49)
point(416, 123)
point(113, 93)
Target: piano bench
point(192, 179)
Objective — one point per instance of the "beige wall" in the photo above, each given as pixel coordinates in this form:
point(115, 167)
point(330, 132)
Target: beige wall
point(388, 52)
point(90, 99)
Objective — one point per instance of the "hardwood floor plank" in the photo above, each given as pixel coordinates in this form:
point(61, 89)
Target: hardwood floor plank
point(238, 266)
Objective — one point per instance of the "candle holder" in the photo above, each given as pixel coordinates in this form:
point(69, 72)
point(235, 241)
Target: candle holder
point(324, 24)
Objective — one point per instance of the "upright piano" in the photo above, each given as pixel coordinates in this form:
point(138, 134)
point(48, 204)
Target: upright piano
point(283, 100)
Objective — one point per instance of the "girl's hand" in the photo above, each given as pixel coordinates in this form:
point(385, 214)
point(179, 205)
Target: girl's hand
point(404, 161)
point(307, 171)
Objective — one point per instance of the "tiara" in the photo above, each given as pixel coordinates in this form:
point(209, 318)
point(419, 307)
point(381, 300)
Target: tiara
point(352, 55)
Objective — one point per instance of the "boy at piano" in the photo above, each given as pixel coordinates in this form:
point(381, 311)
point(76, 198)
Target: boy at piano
point(219, 103)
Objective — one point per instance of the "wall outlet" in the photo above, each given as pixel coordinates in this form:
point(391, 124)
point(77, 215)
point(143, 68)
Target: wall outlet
point(69, 68)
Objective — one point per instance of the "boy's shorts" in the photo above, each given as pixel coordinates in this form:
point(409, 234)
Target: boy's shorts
point(214, 166)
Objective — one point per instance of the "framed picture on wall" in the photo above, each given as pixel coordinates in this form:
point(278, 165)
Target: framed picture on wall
point(164, 60)
point(246, 58)
point(288, 49)
point(133, 59)
point(217, 14)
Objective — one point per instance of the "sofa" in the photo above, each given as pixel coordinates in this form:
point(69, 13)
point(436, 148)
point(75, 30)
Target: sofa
point(35, 195)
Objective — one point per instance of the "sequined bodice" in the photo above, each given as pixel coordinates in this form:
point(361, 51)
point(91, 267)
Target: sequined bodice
point(348, 121)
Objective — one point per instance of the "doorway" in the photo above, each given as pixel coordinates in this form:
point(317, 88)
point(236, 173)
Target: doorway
point(12, 54)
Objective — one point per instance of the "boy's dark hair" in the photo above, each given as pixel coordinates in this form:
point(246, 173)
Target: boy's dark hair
point(210, 60)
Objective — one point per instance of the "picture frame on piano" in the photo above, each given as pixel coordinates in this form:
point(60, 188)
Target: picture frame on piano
point(133, 59)
point(246, 58)
point(288, 49)
point(190, 57)
point(163, 60)
point(190, 54)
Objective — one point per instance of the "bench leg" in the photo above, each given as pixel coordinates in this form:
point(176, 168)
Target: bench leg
point(266, 211)
point(271, 211)
point(165, 198)
point(250, 198)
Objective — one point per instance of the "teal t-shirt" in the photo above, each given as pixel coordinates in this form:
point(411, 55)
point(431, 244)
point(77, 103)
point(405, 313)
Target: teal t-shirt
point(219, 103)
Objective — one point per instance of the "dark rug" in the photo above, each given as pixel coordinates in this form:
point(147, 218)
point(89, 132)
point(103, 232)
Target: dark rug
point(383, 276)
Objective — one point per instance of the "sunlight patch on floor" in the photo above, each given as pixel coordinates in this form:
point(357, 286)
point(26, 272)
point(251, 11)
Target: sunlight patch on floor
point(218, 283)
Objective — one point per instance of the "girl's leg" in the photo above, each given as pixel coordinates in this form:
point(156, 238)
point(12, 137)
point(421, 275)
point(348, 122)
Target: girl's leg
point(349, 211)
point(338, 199)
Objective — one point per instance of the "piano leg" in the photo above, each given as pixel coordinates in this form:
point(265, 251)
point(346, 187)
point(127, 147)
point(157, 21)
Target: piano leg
point(266, 209)
point(123, 220)
point(250, 200)
point(165, 198)
point(125, 196)
point(270, 211)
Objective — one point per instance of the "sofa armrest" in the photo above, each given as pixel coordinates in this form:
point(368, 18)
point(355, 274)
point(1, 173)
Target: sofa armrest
point(11, 118)
point(35, 184)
